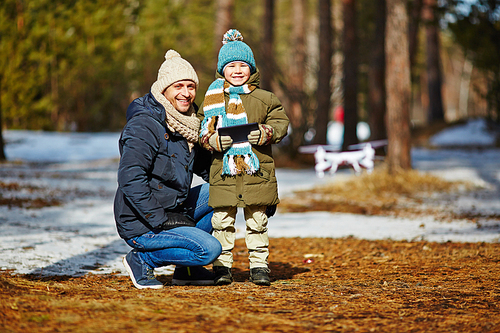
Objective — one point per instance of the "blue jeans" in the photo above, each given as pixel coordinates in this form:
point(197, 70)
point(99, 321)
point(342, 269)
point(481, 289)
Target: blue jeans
point(184, 246)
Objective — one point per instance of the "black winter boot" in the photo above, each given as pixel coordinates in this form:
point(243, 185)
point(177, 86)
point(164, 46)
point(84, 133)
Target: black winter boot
point(259, 276)
point(223, 275)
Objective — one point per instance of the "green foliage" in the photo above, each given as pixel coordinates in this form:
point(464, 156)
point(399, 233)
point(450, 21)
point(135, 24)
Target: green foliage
point(64, 63)
point(77, 64)
point(68, 64)
point(185, 26)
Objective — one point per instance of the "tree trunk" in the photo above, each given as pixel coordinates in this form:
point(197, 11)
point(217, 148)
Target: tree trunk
point(376, 77)
point(267, 66)
point(415, 16)
point(324, 90)
point(297, 74)
point(2, 151)
point(398, 86)
point(350, 74)
point(434, 80)
point(223, 22)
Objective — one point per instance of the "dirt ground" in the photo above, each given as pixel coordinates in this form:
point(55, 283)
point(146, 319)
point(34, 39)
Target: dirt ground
point(318, 285)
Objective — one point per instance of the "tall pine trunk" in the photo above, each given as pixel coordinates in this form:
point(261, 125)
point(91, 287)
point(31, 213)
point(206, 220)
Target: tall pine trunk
point(398, 86)
point(223, 22)
point(296, 76)
point(434, 76)
point(2, 151)
point(350, 74)
point(376, 77)
point(324, 91)
point(267, 66)
point(415, 17)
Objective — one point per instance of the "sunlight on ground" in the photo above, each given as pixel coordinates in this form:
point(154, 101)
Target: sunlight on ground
point(374, 194)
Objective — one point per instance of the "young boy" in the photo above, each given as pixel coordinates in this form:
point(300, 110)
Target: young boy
point(242, 174)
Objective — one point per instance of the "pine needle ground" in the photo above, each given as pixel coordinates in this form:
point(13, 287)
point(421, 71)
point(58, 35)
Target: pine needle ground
point(318, 284)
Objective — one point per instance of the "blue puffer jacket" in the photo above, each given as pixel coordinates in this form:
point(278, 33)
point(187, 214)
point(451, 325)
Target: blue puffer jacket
point(156, 169)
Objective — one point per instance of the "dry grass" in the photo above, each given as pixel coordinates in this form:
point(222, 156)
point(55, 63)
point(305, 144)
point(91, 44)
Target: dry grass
point(318, 285)
point(406, 193)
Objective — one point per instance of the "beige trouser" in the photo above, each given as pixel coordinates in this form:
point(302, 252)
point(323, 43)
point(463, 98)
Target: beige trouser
point(256, 236)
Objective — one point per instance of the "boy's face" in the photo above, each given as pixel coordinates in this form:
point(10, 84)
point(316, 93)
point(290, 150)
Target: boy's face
point(237, 73)
point(181, 95)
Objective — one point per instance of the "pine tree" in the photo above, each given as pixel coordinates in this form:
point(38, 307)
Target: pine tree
point(398, 86)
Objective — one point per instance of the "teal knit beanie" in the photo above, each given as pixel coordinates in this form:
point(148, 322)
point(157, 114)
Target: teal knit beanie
point(234, 50)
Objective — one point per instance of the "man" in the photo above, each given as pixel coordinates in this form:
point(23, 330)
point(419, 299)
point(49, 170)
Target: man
point(157, 213)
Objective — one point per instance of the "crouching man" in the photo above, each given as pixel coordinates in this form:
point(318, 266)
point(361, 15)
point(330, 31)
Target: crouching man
point(157, 213)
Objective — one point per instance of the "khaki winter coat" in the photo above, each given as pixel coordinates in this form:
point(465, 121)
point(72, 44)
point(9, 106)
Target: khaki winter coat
point(260, 189)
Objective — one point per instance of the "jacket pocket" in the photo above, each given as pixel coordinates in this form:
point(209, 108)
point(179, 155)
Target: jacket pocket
point(165, 196)
point(216, 176)
point(264, 172)
point(164, 168)
point(264, 175)
point(169, 173)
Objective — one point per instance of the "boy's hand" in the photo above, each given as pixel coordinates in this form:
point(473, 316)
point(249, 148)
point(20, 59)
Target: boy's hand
point(261, 136)
point(220, 143)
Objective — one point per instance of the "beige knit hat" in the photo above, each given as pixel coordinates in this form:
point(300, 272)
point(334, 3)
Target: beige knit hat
point(174, 69)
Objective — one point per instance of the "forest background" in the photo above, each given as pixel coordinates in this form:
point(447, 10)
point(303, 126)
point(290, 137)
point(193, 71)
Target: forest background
point(75, 65)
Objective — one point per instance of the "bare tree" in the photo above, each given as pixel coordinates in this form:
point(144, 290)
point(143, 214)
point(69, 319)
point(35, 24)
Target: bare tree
point(376, 77)
point(350, 73)
point(434, 75)
point(398, 85)
point(324, 90)
point(223, 22)
point(267, 66)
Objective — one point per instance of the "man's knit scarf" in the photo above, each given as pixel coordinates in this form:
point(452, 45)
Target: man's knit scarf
point(239, 157)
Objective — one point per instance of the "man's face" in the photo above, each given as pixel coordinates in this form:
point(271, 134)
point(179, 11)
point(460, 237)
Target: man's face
point(181, 95)
point(237, 73)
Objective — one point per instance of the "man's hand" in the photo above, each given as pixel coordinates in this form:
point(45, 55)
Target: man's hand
point(261, 136)
point(220, 143)
point(177, 220)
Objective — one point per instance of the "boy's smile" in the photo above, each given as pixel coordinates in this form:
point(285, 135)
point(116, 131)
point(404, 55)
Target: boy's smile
point(237, 73)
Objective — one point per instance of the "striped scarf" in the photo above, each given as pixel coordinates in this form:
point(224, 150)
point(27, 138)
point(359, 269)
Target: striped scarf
point(239, 157)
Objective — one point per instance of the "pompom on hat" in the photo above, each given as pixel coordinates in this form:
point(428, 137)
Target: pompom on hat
point(234, 49)
point(174, 69)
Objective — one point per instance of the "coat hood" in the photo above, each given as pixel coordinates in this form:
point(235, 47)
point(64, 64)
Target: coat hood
point(149, 105)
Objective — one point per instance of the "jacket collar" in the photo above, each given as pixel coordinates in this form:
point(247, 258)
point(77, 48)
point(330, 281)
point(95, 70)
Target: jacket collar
point(156, 110)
